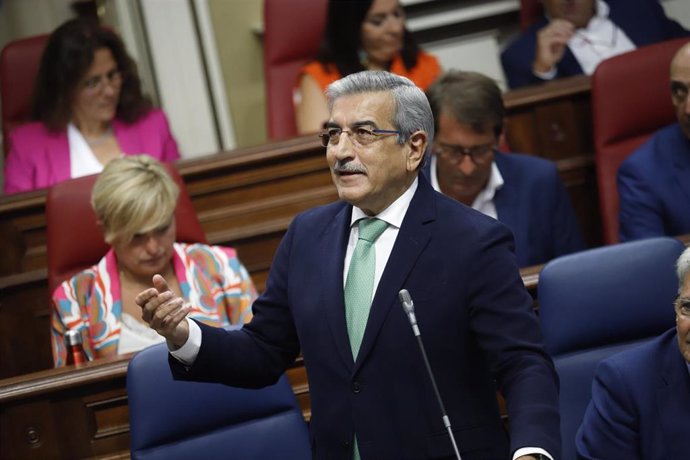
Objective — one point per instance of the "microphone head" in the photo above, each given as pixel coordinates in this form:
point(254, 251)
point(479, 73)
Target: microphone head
point(406, 300)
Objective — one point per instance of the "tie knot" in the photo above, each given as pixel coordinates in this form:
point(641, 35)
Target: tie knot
point(371, 229)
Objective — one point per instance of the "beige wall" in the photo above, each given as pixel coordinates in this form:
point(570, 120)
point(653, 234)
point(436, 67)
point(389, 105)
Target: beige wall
point(241, 57)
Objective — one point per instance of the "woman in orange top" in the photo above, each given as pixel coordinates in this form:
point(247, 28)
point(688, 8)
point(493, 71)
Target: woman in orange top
point(360, 35)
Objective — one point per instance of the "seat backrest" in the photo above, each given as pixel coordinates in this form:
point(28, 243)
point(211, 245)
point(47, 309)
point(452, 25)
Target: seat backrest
point(172, 419)
point(630, 100)
point(19, 61)
point(530, 12)
point(75, 241)
point(598, 302)
point(293, 31)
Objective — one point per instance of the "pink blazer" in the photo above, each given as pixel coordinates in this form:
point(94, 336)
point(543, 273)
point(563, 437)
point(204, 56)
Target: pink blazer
point(38, 158)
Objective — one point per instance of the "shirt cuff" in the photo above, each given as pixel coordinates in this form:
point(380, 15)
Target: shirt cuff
point(550, 75)
point(530, 451)
point(188, 352)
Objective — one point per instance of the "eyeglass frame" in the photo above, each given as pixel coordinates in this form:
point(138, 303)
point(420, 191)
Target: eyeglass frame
point(456, 153)
point(682, 306)
point(325, 137)
point(97, 83)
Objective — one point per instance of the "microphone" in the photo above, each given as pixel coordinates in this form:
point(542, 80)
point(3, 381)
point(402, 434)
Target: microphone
point(408, 306)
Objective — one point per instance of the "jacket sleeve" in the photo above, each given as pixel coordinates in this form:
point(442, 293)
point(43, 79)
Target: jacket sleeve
point(609, 427)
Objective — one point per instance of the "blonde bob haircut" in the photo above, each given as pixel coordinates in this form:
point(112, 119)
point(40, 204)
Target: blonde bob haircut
point(134, 194)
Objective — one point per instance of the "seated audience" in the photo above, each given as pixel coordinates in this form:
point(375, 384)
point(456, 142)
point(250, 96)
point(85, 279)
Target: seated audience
point(87, 108)
point(641, 397)
point(523, 192)
point(360, 35)
point(135, 199)
point(654, 182)
point(573, 37)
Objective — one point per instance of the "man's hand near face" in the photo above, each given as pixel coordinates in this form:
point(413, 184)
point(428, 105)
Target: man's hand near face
point(551, 43)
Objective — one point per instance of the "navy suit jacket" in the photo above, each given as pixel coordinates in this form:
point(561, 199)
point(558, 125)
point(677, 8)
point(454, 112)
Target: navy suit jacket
point(534, 204)
point(643, 21)
point(476, 319)
point(640, 406)
point(654, 187)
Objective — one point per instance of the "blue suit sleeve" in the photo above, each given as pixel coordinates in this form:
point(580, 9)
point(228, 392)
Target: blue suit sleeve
point(638, 213)
point(567, 233)
point(609, 428)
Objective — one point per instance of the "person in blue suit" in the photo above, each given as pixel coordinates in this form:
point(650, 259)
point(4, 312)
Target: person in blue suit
point(654, 182)
point(371, 396)
point(573, 37)
point(523, 192)
point(640, 406)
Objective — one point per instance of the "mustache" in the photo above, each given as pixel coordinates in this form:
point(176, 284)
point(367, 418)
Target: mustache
point(348, 167)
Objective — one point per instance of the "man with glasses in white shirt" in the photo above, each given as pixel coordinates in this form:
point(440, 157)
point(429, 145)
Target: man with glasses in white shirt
point(523, 192)
point(574, 36)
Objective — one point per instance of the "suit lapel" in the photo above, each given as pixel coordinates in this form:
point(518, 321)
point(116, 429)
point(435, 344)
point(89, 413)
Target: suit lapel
point(506, 197)
point(412, 238)
point(332, 280)
point(681, 160)
point(673, 399)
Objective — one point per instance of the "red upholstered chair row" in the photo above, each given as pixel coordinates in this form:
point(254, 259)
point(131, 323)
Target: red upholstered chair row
point(19, 63)
point(292, 33)
point(75, 241)
point(631, 99)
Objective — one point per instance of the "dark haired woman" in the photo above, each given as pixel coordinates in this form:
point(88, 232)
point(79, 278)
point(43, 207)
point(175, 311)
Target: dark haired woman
point(360, 35)
point(88, 108)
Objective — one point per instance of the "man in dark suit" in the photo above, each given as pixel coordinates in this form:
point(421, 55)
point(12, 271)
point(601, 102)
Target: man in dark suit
point(523, 192)
point(640, 406)
point(371, 397)
point(573, 37)
point(654, 182)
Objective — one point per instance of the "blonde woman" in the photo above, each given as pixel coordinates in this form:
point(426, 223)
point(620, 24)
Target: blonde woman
point(134, 199)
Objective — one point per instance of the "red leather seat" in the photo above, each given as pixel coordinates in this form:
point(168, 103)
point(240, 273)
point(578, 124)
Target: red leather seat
point(631, 99)
point(530, 12)
point(75, 241)
point(19, 63)
point(292, 33)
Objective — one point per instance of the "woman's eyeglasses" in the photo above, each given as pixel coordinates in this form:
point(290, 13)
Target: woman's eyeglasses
point(98, 82)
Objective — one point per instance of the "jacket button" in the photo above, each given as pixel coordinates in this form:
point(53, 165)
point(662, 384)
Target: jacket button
point(356, 388)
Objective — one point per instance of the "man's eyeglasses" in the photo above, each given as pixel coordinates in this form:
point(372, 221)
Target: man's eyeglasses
point(360, 135)
point(455, 153)
point(98, 82)
point(682, 305)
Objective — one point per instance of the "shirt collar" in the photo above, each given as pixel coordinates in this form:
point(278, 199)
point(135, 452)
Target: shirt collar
point(394, 214)
point(486, 194)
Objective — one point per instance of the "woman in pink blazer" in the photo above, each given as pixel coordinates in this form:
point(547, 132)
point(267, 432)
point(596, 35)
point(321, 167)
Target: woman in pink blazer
point(88, 109)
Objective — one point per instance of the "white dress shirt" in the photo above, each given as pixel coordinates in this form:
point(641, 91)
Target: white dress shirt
point(82, 161)
point(484, 202)
point(600, 40)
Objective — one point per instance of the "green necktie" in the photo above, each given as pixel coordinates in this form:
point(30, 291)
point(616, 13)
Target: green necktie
point(359, 285)
point(359, 288)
